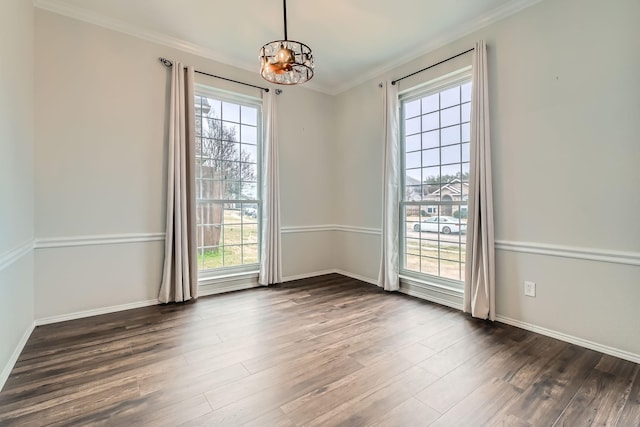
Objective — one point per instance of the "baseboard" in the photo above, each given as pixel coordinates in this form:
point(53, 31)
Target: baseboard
point(308, 275)
point(14, 356)
point(570, 339)
point(94, 312)
point(357, 277)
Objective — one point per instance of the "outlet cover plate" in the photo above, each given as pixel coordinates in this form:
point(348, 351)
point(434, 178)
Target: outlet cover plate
point(529, 289)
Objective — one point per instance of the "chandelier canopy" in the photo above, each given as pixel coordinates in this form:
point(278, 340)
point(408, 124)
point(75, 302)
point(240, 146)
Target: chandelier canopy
point(286, 62)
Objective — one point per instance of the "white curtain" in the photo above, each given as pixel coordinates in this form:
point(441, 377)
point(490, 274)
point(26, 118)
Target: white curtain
point(479, 285)
point(179, 277)
point(388, 277)
point(271, 252)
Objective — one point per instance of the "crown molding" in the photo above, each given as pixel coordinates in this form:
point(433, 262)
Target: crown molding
point(444, 39)
point(81, 14)
point(78, 13)
point(61, 8)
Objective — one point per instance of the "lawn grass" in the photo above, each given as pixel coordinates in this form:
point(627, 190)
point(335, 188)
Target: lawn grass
point(238, 243)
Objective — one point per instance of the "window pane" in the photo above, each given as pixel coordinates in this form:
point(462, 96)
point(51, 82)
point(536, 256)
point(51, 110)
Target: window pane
point(450, 116)
point(249, 172)
point(230, 131)
point(232, 235)
point(431, 174)
point(412, 262)
point(249, 153)
point(412, 126)
point(412, 160)
point(249, 190)
point(413, 245)
point(250, 254)
point(450, 97)
point(413, 192)
point(412, 109)
point(466, 152)
point(250, 233)
point(466, 112)
point(450, 154)
point(211, 107)
point(250, 213)
point(429, 265)
point(230, 112)
point(431, 121)
point(414, 176)
point(450, 135)
point(466, 132)
point(412, 143)
point(249, 134)
point(430, 103)
point(465, 171)
point(249, 115)
point(430, 139)
point(431, 157)
point(450, 172)
point(466, 92)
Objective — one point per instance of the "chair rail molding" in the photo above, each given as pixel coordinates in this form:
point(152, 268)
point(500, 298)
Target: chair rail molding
point(588, 254)
point(102, 239)
point(12, 255)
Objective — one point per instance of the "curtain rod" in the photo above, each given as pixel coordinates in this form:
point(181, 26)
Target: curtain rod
point(168, 63)
point(431, 66)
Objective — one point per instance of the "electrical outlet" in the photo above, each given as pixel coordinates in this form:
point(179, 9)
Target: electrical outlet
point(530, 289)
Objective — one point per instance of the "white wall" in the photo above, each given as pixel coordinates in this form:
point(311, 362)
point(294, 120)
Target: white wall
point(16, 178)
point(100, 165)
point(564, 110)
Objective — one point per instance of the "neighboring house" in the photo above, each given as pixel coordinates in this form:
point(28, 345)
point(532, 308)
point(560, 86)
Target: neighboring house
point(453, 191)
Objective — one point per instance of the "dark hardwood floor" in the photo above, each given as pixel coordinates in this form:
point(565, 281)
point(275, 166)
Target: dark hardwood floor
point(323, 351)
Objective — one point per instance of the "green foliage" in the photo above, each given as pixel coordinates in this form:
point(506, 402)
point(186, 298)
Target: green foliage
point(458, 214)
point(444, 179)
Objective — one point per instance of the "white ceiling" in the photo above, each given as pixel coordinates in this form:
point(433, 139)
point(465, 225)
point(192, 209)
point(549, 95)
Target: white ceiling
point(352, 40)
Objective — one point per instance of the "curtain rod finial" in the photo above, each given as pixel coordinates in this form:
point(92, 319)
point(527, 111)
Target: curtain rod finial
point(278, 91)
point(166, 62)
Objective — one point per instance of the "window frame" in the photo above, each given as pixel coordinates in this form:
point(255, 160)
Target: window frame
point(439, 84)
point(229, 272)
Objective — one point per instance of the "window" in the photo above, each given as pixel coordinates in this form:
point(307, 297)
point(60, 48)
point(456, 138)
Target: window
point(435, 123)
point(228, 133)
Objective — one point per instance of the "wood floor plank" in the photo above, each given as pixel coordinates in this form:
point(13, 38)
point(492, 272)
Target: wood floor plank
point(630, 415)
point(411, 412)
point(482, 407)
point(249, 405)
point(323, 399)
point(367, 408)
point(544, 401)
point(327, 351)
point(599, 401)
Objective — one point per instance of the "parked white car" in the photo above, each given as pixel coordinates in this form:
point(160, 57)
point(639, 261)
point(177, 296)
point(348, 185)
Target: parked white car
point(441, 224)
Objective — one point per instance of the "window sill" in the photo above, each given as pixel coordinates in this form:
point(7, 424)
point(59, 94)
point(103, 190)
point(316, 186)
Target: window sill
point(440, 293)
point(212, 283)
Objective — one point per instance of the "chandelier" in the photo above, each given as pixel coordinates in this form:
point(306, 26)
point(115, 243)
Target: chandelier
point(286, 62)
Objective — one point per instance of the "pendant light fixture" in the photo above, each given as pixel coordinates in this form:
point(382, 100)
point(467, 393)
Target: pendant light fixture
point(286, 62)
